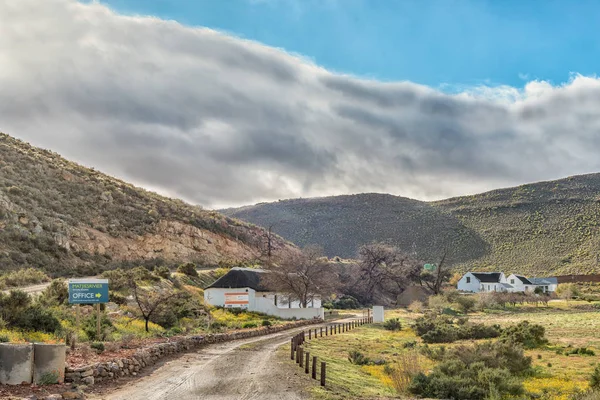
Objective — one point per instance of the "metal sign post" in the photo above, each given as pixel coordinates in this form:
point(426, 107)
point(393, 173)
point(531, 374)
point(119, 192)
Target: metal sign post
point(88, 291)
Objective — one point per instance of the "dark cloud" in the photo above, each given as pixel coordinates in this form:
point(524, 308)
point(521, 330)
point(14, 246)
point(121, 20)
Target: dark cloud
point(223, 121)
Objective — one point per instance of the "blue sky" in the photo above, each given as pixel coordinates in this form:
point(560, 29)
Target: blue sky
point(437, 42)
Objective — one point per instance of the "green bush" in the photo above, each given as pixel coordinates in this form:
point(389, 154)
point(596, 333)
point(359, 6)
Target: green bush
point(392, 324)
point(529, 335)
point(249, 325)
point(188, 269)
point(163, 272)
point(357, 358)
point(49, 378)
point(266, 322)
point(89, 327)
point(37, 319)
point(465, 303)
point(4, 339)
point(444, 329)
point(581, 351)
point(98, 346)
point(475, 372)
point(595, 378)
point(345, 302)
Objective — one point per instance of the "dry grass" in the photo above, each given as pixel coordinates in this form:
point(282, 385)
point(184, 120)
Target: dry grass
point(408, 365)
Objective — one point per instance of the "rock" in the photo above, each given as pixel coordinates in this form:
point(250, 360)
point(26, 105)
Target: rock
point(87, 373)
point(53, 397)
point(88, 380)
point(73, 396)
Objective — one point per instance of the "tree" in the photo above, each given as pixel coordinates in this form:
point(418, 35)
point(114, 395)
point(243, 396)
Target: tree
point(567, 291)
point(268, 244)
point(302, 276)
point(188, 269)
point(383, 270)
point(436, 279)
point(151, 301)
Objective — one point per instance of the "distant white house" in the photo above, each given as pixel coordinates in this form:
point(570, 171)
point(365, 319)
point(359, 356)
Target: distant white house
point(477, 282)
point(482, 282)
point(242, 288)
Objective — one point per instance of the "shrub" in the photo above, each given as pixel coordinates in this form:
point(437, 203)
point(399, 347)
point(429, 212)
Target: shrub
point(408, 368)
point(188, 269)
point(98, 346)
point(595, 379)
point(466, 304)
point(345, 302)
point(89, 327)
point(438, 303)
point(392, 324)
point(444, 329)
point(409, 345)
point(529, 335)
point(163, 272)
point(37, 319)
point(266, 322)
point(49, 378)
point(416, 306)
point(357, 358)
point(581, 351)
point(475, 372)
point(249, 325)
point(56, 294)
point(4, 339)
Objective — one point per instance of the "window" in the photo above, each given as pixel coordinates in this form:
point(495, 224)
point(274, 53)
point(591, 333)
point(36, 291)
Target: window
point(468, 279)
point(512, 281)
point(545, 288)
point(526, 288)
point(488, 288)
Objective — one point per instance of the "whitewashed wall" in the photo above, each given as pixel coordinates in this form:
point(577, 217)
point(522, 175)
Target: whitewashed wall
point(266, 306)
point(472, 286)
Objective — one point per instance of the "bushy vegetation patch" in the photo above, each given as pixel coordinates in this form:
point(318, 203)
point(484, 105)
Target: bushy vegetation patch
point(475, 372)
point(445, 329)
point(345, 302)
point(392, 324)
point(528, 335)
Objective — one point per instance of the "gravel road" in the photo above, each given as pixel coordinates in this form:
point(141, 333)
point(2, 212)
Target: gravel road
point(239, 370)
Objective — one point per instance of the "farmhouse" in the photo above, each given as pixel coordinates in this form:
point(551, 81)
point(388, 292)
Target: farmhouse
point(242, 288)
point(476, 282)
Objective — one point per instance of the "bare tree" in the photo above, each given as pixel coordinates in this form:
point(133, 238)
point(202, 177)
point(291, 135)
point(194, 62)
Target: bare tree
point(302, 276)
point(151, 301)
point(384, 270)
point(436, 279)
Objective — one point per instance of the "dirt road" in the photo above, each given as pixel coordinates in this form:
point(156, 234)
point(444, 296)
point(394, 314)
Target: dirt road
point(240, 370)
point(33, 289)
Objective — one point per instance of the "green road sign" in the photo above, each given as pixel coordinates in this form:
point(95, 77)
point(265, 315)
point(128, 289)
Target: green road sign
point(88, 291)
point(429, 267)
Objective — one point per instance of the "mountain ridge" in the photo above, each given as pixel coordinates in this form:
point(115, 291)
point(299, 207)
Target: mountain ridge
point(67, 219)
point(539, 228)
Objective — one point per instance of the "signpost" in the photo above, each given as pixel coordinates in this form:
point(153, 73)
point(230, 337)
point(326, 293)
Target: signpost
point(429, 267)
point(88, 291)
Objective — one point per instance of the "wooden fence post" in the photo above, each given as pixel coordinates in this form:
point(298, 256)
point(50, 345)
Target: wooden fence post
point(314, 368)
point(309, 334)
point(292, 355)
point(298, 350)
point(321, 331)
point(326, 331)
point(323, 372)
point(307, 362)
point(301, 357)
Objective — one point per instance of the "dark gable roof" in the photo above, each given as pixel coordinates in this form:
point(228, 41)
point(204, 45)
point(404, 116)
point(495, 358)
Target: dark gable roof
point(240, 278)
point(487, 277)
point(544, 281)
point(524, 280)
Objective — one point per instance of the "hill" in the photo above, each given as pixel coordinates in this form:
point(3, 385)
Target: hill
point(342, 223)
point(540, 228)
point(67, 219)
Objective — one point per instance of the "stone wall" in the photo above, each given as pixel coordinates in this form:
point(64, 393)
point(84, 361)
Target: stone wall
point(90, 374)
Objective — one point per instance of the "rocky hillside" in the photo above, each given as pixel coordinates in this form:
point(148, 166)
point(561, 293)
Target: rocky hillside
point(67, 219)
point(541, 228)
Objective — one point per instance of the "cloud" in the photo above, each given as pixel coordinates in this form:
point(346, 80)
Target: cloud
point(222, 121)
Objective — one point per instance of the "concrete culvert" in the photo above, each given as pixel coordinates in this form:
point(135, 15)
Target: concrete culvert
point(16, 363)
point(49, 363)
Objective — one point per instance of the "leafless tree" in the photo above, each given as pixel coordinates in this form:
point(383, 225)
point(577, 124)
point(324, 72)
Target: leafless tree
point(302, 276)
point(434, 280)
point(150, 301)
point(385, 270)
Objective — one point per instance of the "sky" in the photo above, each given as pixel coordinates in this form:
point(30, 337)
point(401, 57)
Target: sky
point(233, 102)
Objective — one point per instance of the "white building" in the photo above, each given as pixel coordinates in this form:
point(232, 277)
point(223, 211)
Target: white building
point(477, 282)
point(242, 288)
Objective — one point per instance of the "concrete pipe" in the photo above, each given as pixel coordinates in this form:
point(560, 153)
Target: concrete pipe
point(49, 363)
point(16, 363)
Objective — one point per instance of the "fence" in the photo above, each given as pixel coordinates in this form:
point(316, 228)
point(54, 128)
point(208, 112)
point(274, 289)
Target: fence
point(303, 359)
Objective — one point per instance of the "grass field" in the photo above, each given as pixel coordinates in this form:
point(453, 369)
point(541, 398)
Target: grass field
point(556, 375)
